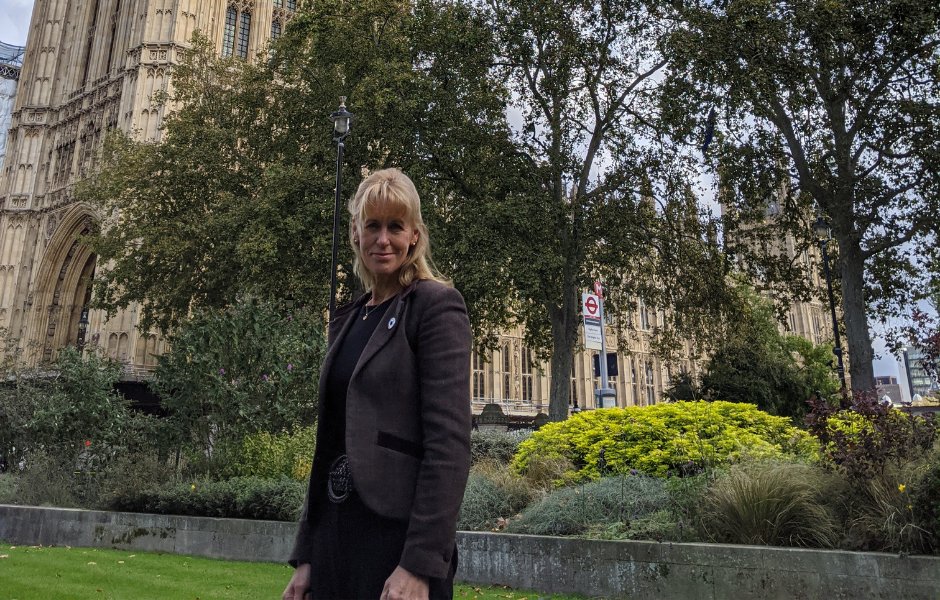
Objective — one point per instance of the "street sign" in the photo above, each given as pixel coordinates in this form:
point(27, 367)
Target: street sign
point(591, 306)
point(593, 331)
point(598, 289)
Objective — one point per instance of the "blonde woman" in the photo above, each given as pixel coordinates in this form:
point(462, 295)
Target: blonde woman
point(393, 434)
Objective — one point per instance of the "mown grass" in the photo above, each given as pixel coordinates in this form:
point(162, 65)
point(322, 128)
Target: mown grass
point(46, 573)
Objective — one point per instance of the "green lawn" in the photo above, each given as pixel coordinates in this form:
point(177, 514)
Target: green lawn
point(53, 573)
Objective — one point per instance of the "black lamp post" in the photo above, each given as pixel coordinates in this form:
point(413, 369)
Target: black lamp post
point(821, 228)
point(342, 121)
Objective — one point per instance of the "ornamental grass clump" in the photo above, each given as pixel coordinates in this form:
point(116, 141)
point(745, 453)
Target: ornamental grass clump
point(773, 504)
point(494, 494)
point(607, 504)
point(680, 438)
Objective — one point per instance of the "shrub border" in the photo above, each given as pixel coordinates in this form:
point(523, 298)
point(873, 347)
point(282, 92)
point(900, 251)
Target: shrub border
point(547, 564)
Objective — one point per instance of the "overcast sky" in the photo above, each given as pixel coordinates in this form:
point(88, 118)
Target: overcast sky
point(14, 21)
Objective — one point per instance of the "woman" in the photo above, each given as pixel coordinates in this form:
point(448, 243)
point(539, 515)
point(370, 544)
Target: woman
point(393, 434)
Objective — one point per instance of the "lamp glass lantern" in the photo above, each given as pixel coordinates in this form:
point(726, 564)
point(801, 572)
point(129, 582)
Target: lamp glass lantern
point(821, 229)
point(342, 120)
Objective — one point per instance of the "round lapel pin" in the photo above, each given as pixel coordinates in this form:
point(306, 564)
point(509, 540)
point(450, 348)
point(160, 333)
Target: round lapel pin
point(391, 322)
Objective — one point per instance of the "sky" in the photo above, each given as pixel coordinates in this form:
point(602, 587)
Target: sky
point(14, 21)
point(14, 25)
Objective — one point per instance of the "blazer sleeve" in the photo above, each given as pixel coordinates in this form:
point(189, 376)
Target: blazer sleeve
point(443, 358)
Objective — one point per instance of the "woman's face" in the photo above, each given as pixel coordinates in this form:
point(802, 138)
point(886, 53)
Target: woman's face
point(384, 241)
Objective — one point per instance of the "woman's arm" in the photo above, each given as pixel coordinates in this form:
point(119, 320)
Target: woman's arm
point(442, 349)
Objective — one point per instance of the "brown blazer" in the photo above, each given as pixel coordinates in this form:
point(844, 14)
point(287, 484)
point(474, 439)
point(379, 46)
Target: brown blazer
point(407, 422)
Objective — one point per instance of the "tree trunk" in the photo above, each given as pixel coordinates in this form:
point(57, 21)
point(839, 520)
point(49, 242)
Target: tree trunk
point(857, 335)
point(564, 335)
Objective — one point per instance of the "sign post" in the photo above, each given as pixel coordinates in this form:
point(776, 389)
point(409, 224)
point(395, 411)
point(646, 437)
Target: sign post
point(592, 306)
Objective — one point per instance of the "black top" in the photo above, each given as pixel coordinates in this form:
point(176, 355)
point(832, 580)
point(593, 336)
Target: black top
point(333, 430)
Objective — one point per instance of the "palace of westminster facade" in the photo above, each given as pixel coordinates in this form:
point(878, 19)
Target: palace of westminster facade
point(93, 65)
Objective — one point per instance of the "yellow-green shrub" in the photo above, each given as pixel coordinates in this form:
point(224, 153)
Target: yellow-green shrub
point(271, 456)
point(663, 438)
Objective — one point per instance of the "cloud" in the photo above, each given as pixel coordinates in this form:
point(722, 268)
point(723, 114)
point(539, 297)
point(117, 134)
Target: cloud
point(14, 21)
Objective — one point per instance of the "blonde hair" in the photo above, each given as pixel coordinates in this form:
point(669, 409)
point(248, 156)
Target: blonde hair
point(391, 186)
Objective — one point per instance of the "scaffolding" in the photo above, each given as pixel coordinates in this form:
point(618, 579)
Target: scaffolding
point(11, 61)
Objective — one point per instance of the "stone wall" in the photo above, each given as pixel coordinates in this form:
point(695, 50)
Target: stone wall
point(593, 568)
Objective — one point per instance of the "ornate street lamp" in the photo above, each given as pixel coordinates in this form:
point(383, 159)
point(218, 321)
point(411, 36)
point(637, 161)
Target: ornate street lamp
point(823, 235)
point(342, 122)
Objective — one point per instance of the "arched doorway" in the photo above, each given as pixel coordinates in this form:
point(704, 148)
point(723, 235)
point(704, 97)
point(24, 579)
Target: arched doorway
point(63, 287)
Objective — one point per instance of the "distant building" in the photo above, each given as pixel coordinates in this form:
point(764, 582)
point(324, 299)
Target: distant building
point(920, 381)
point(887, 385)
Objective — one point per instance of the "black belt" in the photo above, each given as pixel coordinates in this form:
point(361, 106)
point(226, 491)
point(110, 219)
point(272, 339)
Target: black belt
point(339, 483)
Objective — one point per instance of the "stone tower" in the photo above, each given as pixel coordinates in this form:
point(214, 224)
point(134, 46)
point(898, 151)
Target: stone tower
point(91, 66)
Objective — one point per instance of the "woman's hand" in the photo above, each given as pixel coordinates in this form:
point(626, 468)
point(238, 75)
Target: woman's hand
point(404, 585)
point(299, 584)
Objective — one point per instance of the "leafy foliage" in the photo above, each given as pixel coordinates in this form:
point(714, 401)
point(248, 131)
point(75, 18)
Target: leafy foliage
point(862, 441)
point(890, 512)
point(186, 216)
point(755, 364)
point(679, 438)
point(239, 188)
point(236, 498)
point(925, 496)
point(495, 446)
point(250, 368)
point(923, 332)
point(272, 455)
point(70, 411)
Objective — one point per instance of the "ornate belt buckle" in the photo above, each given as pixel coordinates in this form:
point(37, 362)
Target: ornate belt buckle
point(339, 482)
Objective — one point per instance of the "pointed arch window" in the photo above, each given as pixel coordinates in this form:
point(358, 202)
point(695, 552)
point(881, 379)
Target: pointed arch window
point(526, 375)
point(237, 32)
point(507, 371)
point(478, 381)
point(650, 384)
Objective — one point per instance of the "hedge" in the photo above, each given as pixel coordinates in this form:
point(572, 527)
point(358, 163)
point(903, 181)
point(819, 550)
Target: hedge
point(662, 439)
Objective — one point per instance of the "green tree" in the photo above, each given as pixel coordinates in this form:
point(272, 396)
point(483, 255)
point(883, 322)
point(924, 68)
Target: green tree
point(521, 219)
point(756, 364)
point(610, 197)
point(182, 215)
point(237, 195)
point(69, 409)
point(252, 367)
point(831, 103)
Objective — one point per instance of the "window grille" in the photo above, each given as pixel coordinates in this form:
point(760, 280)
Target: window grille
point(228, 35)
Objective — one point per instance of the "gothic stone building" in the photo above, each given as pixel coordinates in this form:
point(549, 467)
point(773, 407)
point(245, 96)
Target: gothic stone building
point(94, 65)
point(91, 66)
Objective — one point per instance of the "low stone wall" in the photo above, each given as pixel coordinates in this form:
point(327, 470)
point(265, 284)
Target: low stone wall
point(232, 539)
point(595, 568)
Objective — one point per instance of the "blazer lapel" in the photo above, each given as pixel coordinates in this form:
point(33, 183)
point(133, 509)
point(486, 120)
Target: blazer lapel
point(386, 328)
